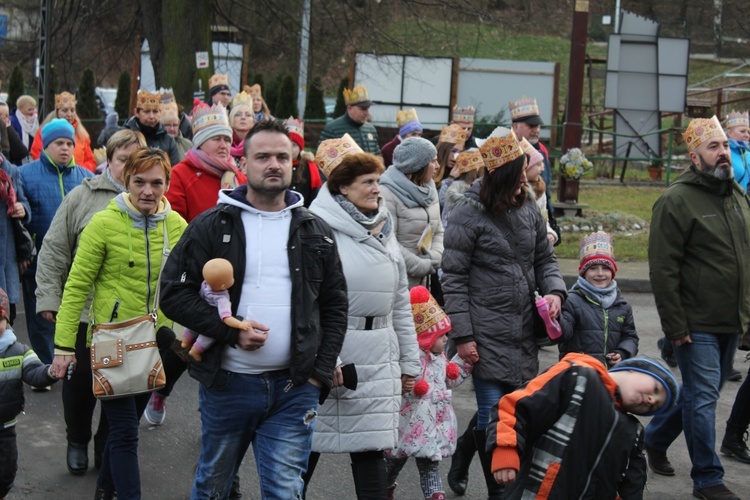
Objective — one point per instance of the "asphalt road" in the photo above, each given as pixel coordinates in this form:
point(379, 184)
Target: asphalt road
point(168, 453)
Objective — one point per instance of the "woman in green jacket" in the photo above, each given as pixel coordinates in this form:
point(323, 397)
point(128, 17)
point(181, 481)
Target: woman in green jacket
point(119, 256)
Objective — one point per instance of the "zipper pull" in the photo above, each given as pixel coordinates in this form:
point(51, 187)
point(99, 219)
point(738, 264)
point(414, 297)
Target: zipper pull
point(114, 311)
point(289, 385)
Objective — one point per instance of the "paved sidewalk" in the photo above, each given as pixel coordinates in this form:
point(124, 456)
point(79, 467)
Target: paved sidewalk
point(632, 277)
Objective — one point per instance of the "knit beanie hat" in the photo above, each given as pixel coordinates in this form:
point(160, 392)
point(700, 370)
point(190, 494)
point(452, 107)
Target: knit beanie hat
point(596, 249)
point(210, 122)
point(57, 129)
point(430, 320)
point(657, 369)
point(413, 154)
point(296, 131)
point(4, 305)
point(112, 118)
point(408, 122)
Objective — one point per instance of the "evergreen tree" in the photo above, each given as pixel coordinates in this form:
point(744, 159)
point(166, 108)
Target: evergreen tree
point(86, 106)
point(271, 93)
point(15, 86)
point(286, 105)
point(340, 108)
point(315, 107)
point(258, 78)
point(122, 101)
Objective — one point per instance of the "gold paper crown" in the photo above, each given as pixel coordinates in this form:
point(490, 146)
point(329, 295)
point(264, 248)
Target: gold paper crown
point(404, 117)
point(295, 126)
point(356, 95)
point(427, 315)
point(599, 243)
point(205, 117)
point(453, 134)
point(169, 109)
point(332, 151)
point(469, 160)
point(65, 100)
point(218, 79)
point(499, 151)
point(463, 114)
point(254, 91)
point(738, 119)
point(526, 106)
point(167, 95)
point(526, 146)
point(242, 99)
point(147, 100)
point(699, 130)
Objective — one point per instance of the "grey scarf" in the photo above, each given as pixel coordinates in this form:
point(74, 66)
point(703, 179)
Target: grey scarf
point(141, 221)
point(371, 222)
point(410, 194)
point(604, 296)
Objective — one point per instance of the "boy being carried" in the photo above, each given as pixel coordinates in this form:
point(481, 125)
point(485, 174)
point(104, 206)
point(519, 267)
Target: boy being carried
point(569, 433)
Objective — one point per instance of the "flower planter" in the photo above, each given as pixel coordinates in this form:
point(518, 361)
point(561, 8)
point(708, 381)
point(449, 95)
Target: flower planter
point(568, 190)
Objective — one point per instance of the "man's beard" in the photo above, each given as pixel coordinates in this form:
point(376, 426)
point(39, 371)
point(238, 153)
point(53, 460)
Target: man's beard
point(722, 173)
point(267, 191)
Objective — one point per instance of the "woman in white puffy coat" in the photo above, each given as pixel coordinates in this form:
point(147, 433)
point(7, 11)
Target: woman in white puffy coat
point(380, 340)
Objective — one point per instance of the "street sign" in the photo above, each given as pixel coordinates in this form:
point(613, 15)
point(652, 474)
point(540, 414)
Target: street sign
point(201, 60)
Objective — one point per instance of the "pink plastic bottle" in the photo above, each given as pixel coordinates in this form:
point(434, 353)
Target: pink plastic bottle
point(553, 327)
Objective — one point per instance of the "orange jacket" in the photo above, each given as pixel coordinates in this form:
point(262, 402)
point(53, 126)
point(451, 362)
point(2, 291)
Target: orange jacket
point(82, 152)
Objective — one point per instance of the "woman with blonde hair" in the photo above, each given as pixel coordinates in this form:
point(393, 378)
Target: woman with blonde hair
point(260, 108)
point(241, 119)
point(65, 107)
point(25, 120)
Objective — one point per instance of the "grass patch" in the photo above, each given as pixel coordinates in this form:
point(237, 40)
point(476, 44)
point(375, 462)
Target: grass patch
point(630, 246)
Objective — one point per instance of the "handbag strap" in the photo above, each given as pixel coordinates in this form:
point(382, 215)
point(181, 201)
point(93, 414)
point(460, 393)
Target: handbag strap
point(511, 237)
point(164, 255)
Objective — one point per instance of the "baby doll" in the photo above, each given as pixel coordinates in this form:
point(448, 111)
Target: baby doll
point(218, 277)
point(427, 424)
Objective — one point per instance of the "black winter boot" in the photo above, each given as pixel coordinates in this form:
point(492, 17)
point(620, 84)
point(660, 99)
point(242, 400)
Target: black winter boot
point(734, 444)
point(466, 447)
point(102, 494)
point(495, 490)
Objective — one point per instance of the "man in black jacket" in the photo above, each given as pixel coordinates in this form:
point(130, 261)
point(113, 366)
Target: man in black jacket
point(261, 386)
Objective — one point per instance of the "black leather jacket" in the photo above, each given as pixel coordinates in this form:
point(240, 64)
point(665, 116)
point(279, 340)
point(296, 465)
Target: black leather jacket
point(319, 294)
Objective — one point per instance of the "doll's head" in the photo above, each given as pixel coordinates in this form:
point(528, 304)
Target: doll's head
point(219, 274)
point(430, 320)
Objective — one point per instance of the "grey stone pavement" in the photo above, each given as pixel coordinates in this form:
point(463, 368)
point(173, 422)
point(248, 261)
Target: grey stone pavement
point(168, 453)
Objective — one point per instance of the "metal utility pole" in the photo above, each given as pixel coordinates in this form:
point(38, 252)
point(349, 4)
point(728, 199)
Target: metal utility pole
point(45, 104)
point(572, 127)
point(304, 45)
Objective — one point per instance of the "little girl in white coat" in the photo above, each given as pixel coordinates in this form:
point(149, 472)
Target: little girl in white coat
point(427, 422)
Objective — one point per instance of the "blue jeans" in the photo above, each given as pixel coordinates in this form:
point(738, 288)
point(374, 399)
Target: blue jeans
point(705, 365)
point(488, 393)
point(41, 332)
point(120, 470)
point(242, 409)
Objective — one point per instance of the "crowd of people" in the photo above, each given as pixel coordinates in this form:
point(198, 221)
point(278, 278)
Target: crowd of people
point(362, 285)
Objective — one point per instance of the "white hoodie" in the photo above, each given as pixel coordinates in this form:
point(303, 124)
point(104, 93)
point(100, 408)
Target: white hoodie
point(266, 287)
